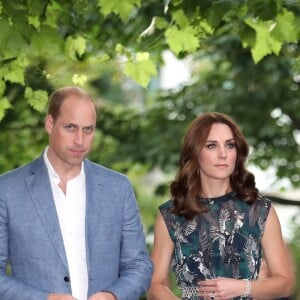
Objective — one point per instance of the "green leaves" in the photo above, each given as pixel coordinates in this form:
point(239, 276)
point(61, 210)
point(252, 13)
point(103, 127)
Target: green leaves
point(271, 35)
point(13, 70)
point(285, 29)
point(34, 21)
point(185, 35)
point(121, 8)
point(139, 66)
point(37, 99)
point(11, 40)
point(4, 105)
point(63, 37)
point(182, 40)
point(265, 43)
point(181, 37)
point(75, 46)
point(141, 69)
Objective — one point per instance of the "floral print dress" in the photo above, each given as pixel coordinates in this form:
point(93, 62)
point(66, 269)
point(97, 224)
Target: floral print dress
point(225, 241)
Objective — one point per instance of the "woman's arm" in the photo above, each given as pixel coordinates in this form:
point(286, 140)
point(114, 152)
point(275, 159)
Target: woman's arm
point(280, 281)
point(161, 256)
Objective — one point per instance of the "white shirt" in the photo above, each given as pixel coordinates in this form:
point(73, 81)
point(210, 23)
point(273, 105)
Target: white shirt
point(70, 209)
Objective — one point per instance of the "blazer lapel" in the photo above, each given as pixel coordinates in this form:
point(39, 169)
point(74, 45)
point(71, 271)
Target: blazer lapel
point(41, 194)
point(93, 218)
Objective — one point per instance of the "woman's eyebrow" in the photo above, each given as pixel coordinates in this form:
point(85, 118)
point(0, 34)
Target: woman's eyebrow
point(216, 141)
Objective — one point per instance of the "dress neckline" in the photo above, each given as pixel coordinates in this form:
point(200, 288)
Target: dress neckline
point(222, 198)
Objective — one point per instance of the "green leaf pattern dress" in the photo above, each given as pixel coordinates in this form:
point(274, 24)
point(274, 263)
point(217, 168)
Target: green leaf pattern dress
point(225, 241)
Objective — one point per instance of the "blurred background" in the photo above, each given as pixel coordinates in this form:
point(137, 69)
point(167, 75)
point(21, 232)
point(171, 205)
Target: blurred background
point(152, 66)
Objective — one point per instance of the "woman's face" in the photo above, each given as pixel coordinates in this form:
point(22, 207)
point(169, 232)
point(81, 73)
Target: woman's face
point(218, 156)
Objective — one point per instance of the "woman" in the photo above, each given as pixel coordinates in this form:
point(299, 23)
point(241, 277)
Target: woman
point(216, 226)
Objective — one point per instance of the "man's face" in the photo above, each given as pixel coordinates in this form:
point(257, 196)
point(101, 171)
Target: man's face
point(71, 135)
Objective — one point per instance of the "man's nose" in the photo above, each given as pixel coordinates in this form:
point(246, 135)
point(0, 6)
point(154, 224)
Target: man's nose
point(79, 137)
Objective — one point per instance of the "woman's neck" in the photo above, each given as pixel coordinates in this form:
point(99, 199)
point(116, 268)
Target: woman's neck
point(215, 189)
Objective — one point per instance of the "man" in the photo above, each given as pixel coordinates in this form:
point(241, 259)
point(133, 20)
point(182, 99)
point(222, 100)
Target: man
point(70, 228)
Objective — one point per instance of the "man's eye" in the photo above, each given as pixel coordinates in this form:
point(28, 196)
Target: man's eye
point(88, 129)
point(69, 127)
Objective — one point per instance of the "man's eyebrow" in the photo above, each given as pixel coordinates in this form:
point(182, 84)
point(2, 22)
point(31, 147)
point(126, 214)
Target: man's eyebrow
point(76, 125)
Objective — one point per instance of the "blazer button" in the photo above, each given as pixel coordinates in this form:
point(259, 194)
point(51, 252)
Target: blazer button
point(67, 279)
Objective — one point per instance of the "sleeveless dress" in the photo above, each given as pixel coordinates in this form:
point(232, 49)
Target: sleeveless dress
point(225, 241)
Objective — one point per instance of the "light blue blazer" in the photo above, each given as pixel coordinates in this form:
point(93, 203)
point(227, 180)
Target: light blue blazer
point(31, 240)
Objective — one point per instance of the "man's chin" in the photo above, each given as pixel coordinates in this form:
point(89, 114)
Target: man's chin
point(77, 160)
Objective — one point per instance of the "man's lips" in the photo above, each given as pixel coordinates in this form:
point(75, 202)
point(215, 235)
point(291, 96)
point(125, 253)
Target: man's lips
point(77, 151)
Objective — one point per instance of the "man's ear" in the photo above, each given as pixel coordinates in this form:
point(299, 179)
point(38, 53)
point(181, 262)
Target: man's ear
point(49, 123)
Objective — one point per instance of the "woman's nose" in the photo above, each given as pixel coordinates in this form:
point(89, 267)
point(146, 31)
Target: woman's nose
point(223, 152)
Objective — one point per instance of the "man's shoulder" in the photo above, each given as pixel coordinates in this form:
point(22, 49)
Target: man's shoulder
point(102, 171)
point(21, 171)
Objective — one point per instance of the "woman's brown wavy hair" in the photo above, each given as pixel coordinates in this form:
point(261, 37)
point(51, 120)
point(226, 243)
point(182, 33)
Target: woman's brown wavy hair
point(186, 188)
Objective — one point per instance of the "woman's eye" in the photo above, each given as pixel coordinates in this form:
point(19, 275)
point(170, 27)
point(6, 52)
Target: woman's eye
point(210, 146)
point(230, 145)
